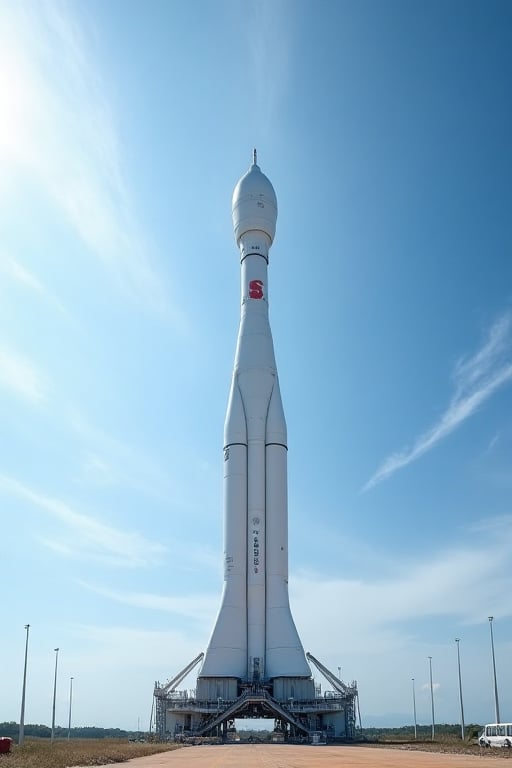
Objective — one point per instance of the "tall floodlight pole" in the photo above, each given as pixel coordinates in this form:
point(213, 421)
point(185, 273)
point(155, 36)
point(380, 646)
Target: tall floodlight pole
point(21, 737)
point(457, 640)
point(70, 702)
point(414, 709)
point(54, 694)
point(496, 702)
point(432, 698)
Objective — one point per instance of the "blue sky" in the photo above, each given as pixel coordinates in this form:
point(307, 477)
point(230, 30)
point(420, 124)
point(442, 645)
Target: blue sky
point(385, 129)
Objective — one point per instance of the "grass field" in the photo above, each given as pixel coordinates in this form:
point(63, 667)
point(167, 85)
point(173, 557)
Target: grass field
point(39, 753)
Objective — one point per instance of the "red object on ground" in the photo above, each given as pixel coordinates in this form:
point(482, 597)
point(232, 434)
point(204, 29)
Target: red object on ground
point(5, 744)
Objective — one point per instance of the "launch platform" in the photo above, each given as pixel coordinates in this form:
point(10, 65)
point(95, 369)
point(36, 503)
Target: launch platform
point(301, 713)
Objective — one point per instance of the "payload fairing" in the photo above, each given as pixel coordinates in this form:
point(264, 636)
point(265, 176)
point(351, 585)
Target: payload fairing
point(254, 637)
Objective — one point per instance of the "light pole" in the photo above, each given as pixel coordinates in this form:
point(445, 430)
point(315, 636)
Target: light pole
point(54, 695)
point(432, 698)
point(70, 700)
point(496, 702)
point(339, 673)
point(21, 737)
point(414, 709)
point(219, 726)
point(457, 640)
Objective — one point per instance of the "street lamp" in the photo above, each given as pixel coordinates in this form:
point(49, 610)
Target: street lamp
point(432, 698)
point(496, 702)
point(54, 695)
point(339, 673)
point(21, 737)
point(414, 709)
point(70, 700)
point(457, 640)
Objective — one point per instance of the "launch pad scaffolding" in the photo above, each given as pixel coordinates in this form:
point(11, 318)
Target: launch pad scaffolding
point(180, 714)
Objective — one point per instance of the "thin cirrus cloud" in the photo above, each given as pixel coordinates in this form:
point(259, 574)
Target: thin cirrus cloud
point(59, 132)
point(476, 379)
point(269, 50)
point(20, 377)
point(435, 686)
point(201, 608)
point(115, 646)
point(110, 461)
point(18, 273)
point(379, 609)
point(82, 536)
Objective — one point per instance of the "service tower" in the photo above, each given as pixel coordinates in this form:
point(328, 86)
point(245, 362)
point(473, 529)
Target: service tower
point(255, 665)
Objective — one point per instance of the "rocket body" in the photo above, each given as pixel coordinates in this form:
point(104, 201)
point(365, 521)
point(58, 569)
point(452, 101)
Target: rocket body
point(254, 637)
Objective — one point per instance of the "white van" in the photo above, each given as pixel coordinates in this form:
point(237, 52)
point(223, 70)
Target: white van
point(496, 735)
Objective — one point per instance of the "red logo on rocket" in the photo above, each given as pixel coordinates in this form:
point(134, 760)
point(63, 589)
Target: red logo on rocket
point(256, 289)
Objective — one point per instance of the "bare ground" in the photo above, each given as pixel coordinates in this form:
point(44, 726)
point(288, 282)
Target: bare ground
point(290, 756)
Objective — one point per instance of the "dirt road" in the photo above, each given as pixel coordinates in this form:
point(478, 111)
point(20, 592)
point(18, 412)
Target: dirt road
point(288, 756)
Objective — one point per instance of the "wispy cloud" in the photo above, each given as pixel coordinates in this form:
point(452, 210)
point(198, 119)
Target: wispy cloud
point(58, 130)
point(495, 439)
point(20, 377)
point(269, 44)
point(476, 379)
point(200, 608)
point(113, 647)
point(426, 686)
point(110, 461)
point(20, 274)
point(379, 611)
point(82, 536)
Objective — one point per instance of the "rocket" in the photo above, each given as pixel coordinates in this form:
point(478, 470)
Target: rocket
point(254, 638)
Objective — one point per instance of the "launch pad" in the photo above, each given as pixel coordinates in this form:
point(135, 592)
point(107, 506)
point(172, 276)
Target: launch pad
point(296, 705)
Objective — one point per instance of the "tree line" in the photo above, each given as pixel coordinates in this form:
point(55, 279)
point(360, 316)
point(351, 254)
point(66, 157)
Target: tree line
point(423, 731)
point(44, 732)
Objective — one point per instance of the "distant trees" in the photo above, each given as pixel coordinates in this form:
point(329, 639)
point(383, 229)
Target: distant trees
point(93, 732)
point(424, 731)
point(250, 735)
point(44, 732)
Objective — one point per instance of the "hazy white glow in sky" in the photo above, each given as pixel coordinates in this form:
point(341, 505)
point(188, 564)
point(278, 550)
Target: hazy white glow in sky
point(385, 129)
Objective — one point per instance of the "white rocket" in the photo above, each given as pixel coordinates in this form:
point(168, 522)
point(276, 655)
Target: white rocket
point(254, 637)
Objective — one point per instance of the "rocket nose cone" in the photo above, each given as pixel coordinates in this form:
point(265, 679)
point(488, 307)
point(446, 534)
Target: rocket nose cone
point(254, 204)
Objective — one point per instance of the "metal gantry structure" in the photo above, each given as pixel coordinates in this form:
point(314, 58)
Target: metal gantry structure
point(182, 714)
